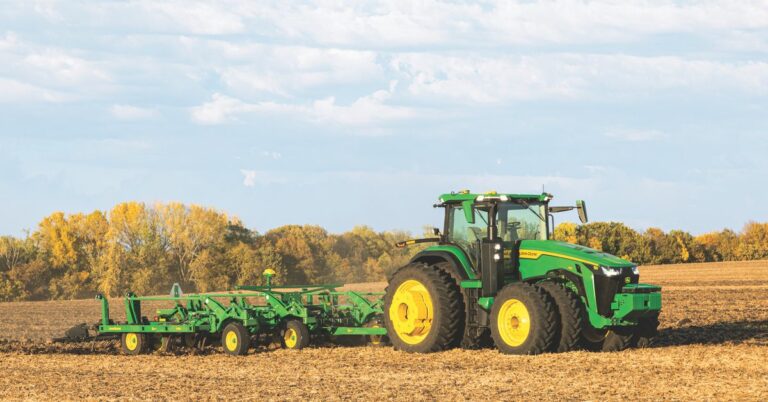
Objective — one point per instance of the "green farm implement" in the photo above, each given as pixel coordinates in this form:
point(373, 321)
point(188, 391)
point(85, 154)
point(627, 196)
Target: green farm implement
point(496, 276)
point(293, 314)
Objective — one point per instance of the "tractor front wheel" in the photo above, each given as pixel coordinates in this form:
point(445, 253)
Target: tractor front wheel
point(235, 339)
point(524, 320)
point(646, 330)
point(423, 309)
point(605, 340)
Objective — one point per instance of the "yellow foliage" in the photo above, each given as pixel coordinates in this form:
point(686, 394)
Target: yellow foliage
point(595, 243)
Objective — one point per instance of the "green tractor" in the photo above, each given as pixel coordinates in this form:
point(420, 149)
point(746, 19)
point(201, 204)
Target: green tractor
point(496, 276)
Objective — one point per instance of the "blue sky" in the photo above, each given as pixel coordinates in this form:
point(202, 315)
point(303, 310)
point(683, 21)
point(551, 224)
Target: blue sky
point(655, 112)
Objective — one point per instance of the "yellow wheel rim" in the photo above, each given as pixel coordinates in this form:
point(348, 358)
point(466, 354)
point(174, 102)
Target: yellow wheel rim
point(231, 341)
point(375, 339)
point(291, 338)
point(411, 312)
point(514, 322)
point(131, 341)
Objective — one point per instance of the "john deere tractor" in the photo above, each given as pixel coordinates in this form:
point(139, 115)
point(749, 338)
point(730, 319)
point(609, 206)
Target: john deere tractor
point(496, 276)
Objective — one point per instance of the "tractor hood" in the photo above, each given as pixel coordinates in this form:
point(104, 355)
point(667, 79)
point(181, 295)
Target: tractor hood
point(534, 248)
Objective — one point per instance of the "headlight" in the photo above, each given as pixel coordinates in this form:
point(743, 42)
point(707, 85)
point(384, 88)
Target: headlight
point(608, 271)
point(636, 270)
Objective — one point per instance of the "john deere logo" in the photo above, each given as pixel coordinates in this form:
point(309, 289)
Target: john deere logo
point(626, 280)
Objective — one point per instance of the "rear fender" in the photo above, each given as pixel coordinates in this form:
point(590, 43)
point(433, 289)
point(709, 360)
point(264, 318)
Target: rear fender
point(453, 255)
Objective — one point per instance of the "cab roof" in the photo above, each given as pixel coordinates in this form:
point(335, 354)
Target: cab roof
point(466, 195)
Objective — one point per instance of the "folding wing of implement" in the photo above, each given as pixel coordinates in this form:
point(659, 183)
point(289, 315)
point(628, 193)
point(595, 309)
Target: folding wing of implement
point(294, 314)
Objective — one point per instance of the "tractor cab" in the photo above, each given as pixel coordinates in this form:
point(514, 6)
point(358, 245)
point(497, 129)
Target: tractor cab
point(507, 218)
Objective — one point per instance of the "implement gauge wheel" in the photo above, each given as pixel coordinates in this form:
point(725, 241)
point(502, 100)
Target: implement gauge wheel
point(376, 340)
point(423, 309)
point(132, 343)
point(295, 335)
point(235, 339)
point(524, 320)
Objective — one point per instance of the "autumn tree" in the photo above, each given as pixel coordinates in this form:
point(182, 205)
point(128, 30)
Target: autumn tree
point(753, 244)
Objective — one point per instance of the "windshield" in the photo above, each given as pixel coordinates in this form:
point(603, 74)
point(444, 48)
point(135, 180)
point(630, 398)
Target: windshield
point(521, 221)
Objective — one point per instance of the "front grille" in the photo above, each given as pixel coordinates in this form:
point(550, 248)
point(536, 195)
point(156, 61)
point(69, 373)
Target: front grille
point(606, 288)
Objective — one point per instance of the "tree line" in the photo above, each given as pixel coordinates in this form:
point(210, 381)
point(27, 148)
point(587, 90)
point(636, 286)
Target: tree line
point(146, 248)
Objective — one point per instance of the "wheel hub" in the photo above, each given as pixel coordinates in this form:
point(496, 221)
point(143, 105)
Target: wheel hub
point(411, 311)
point(514, 322)
point(290, 338)
point(231, 340)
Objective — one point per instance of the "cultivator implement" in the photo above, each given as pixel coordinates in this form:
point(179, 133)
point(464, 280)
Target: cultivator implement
point(294, 315)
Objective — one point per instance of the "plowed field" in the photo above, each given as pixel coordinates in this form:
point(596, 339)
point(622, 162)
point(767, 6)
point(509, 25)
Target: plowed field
point(713, 346)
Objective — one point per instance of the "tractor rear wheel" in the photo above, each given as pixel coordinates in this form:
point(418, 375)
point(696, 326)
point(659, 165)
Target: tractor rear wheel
point(523, 320)
point(133, 343)
point(235, 339)
point(295, 335)
point(423, 309)
point(568, 306)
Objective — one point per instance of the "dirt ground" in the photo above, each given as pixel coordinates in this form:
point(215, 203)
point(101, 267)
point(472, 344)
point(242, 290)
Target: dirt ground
point(713, 346)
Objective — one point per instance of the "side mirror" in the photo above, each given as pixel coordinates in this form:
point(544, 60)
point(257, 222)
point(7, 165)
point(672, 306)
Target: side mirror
point(436, 231)
point(582, 209)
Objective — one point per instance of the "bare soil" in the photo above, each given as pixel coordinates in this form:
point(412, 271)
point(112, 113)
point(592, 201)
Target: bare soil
point(713, 346)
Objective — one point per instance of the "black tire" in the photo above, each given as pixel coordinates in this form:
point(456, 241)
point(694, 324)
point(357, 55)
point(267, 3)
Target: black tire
point(473, 337)
point(376, 340)
point(446, 328)
point(542, 319)
point(235, 339)
point(617, 340)
point(294, 335)
point(568, 306)
point(645, 332)
point(605, 340)
point(133, 343)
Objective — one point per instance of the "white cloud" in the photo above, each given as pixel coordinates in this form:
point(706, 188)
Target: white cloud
point(272, 155)
point(634, 135)
point(198, 17)
point(14, 91)
point(286, 70)
point(404, 23)
point(34, 72)
point(249, 177)
point(366, 111)
point(493, 23)
point(128, 112)
point(485, 79)
point(60, 68)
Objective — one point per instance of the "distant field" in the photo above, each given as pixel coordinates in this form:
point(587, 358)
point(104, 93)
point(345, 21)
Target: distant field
point(713, 345)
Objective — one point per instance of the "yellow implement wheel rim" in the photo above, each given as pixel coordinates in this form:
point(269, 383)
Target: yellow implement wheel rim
point(131, 341)
point(411, 312)
point(514, 322)
point(375, 339)
point(231, 341)
point(291, 338)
